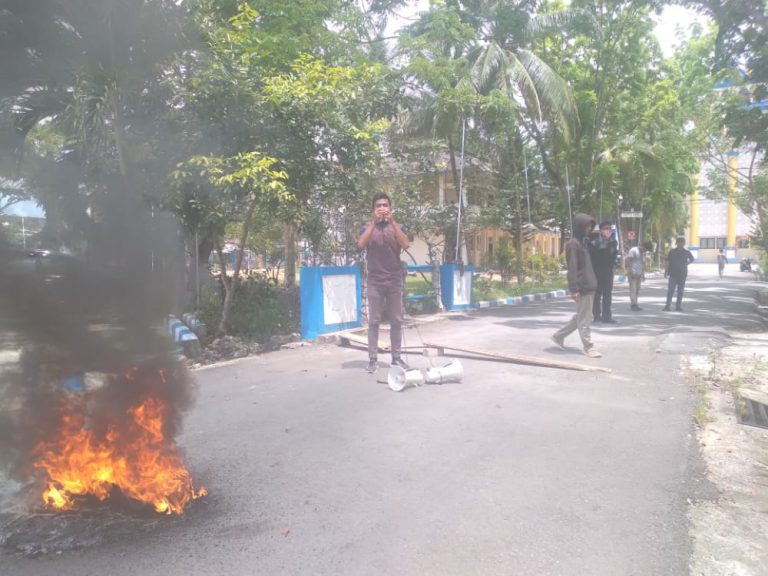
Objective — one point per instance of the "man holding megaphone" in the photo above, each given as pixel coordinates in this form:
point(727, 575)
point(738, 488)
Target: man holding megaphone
point(384, 239)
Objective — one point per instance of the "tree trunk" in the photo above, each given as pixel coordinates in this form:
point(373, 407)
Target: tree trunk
point(519, 244)
point(221, 329)
point(289, 236)
point(449, 253)
point(231, 286)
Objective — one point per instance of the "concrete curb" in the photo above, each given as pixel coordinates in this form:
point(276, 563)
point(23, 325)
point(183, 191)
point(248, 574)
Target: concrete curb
point(185, 338)
point(516, 300)
point(539, 297)
point(194, 324)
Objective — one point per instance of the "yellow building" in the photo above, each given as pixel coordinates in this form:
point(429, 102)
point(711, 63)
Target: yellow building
point(719, 224)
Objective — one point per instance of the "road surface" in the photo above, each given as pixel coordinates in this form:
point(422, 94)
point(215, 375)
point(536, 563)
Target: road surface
point(316, 468)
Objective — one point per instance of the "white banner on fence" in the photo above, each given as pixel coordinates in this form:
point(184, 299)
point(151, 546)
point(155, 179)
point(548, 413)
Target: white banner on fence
point(462, 288)
point(339, 298)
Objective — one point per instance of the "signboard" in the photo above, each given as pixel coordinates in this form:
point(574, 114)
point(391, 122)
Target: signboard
point(631, 214)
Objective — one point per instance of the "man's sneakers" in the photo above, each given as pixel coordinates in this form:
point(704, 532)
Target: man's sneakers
point(610, 321)
point(592, 352)
point(666, 308)
point(559, 341)
point(400, 363)
point(679, 308)
point(635, 308)
point(373, 364)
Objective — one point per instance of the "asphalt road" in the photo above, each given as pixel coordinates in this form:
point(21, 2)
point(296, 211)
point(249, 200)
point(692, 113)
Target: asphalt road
point(316, 468)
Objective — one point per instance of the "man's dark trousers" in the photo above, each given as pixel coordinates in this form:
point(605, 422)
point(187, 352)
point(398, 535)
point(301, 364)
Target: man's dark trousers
point(601, 308)
point(678, 283)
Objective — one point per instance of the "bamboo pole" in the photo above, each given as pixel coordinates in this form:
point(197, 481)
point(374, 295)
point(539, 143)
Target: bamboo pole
point(521, 359)
point(498, 356)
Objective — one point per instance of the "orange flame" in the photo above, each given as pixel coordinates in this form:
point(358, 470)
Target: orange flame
point(135, 457)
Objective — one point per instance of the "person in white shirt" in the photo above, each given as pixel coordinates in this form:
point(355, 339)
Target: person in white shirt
point(635, 265)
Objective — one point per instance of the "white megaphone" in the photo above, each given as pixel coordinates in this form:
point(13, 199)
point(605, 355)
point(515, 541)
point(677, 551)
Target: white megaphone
point(451, 372)
point(398, 379)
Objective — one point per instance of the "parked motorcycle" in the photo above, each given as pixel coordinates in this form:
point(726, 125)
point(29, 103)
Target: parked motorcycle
point(745, 265)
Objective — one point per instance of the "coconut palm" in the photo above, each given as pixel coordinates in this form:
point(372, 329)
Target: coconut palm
point(505, 59)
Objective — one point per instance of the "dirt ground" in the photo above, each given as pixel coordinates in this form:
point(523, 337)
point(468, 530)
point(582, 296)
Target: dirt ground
point(730, 533)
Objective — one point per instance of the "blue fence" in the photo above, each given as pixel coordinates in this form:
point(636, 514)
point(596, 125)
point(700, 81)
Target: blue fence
point(331, 299)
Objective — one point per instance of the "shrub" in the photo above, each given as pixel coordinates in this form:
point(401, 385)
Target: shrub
point(261, 309)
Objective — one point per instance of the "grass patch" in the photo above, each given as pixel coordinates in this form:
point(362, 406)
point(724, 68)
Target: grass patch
point(701, 413)
point(485, 289)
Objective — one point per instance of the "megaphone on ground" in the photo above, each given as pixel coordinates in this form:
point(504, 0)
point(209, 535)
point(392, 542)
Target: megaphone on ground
point(451, 372)
point(398, 379)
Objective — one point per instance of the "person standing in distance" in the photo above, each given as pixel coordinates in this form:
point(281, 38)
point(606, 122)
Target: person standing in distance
point(635, 265)
point(677, 270)
point(603, 252)
point(721, 260)
point(582, 284)
point(383, 239)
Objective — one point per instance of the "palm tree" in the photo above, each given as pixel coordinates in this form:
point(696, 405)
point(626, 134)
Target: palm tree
point(505, 60)
point(89, 66)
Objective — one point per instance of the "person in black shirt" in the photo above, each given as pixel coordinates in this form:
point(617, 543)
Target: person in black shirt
point(677, 270)
point(603, 251)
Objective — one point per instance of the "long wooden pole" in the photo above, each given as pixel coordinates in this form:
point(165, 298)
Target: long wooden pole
point(520, 359)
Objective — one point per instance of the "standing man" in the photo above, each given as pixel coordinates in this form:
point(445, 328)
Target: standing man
point(720, 263)
point(603, 252)
point(677, 270)
point(582, 284)
point(383, 239)
point(635, 265)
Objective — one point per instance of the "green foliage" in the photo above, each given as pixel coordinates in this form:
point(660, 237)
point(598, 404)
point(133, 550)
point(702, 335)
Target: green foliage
point(545, 269)
point(484, 288)
point(207, 192)
point(261, 309)
point(542, 274)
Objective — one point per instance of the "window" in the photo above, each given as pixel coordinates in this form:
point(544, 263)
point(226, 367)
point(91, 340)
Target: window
point(742, 243)
point(711, 243)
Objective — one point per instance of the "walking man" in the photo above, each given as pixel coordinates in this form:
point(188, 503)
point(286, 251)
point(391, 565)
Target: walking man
point(635, 265)
point(720, 263)
point(383, 239)
point(603, 251)
point(677, 270)
point(582, 284)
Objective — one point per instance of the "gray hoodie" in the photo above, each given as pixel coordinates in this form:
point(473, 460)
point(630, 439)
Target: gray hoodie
point(581, 275)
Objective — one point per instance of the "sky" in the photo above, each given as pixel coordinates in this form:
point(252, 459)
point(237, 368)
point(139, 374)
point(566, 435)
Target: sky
point(671, 18)
point(28, 208)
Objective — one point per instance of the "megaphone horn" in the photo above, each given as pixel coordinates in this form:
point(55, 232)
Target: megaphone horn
point(398, 379)
point(451, 372)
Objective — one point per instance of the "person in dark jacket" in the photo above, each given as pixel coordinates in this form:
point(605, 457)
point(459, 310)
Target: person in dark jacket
point(582, 285)
point(603, 251)
point(677, 270)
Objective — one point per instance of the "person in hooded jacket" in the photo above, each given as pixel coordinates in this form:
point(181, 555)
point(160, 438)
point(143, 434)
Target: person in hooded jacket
point(582, 284)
